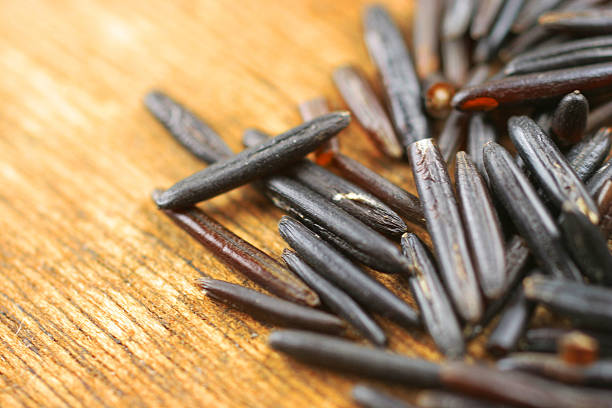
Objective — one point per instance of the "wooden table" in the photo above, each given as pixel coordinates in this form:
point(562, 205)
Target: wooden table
point(98, 305)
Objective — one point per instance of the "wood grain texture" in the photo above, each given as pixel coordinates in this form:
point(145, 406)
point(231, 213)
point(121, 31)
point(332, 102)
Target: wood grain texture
point(98, 305)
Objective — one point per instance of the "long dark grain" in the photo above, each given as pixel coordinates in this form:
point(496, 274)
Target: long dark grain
point(300, 195)
point(529, 87)
point(597, 374)
point(188, 129)
point(511, 325)
point(445, 399)
point(589, 305)
point(296, 200)
point(517, 257)
point(311, 109)
point(363, 102)
point(512, 388)
point(566, 47)
point(570, 117)
point(346, 195)
point(516, 261)
point(530, 12)
point(457, 17)
point(517, 389)
point(456, 60)
point(242, 256)
point(337, 242)
point(369, 397)
point(548, 340)
point(586, 157)
point(453, 134)
point(351, 198)
point(345, 356)
point(426, 37)
point(454, 131)
point(484, 17)
point(593, 21)
point(406, 204)
point(565, 60)
point(595, 183)
point(543, 339)
point(480, 132)
point(271, 309)
point(549, 166)
point(528, 213)
point(445, 227)
point(436, 309)
point(483, 229)
point(252, 163)
point(488, 46)
point(336, 300)
point(587, 245)
point(360, 286)
point(533, 37)
point(208, 146)
point(539, 37)
point(299, 200)
point(388, 51)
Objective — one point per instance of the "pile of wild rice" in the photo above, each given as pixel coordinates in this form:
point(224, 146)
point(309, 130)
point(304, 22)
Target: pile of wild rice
point(513, 233)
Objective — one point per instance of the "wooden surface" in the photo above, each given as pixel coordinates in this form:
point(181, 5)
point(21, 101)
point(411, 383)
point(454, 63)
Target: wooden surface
point(98, 305)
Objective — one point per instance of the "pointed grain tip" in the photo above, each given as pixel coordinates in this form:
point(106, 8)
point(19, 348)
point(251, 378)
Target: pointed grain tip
point(276, 339)
point(358, 390)
point(457, 98)
point(156, 194)
point(152, 99)
point(513, 120)
point(284, 222)
point(489, 146)
point(161, 198)
point(372, 9)
point(204, 283)
point(153, 94)
point(345, 116)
